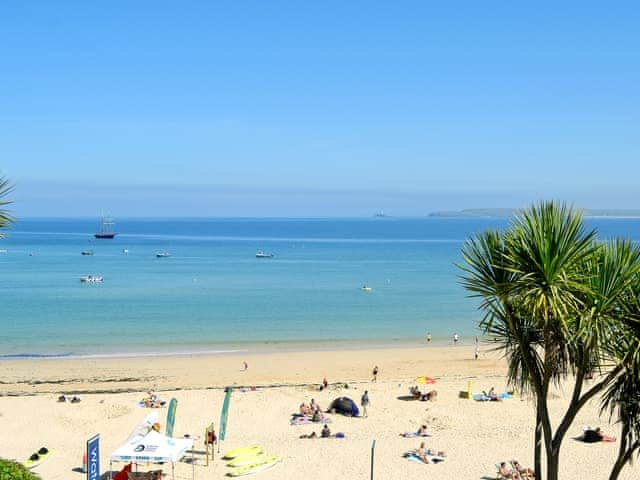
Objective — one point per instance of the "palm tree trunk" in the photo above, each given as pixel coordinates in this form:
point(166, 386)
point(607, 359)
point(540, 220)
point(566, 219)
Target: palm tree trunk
point(553, 462)
point(625, 452)
point(537, 449)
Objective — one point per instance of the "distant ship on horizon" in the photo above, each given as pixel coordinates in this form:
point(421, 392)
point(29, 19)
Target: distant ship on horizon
point(106, 228)
point(380, 214)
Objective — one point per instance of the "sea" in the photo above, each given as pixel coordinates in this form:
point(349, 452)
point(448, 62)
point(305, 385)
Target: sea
point(212, 294)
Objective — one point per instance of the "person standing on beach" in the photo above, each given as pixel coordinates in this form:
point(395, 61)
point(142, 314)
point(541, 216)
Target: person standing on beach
point(375, 373)
point(246, 365)
point(477, 350)
point(456, 337)
point(364, 401)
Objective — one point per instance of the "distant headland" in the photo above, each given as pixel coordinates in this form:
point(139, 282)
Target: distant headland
point(507, 212)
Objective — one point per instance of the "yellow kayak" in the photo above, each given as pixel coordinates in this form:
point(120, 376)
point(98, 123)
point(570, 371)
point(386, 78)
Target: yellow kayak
point(243, 451)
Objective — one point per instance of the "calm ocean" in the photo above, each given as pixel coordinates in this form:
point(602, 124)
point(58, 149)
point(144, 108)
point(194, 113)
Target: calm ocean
point(213, 294)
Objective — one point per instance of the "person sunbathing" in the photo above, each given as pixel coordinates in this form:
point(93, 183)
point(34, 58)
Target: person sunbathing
point(415, 392)
point(421, 432)
point(424, 453)
point(314, 405)
point(311, 435)
point(523, 471)
point(591, 435)
point(493, 395)
point(508, 473)
point(304, 409)
point(317, 416)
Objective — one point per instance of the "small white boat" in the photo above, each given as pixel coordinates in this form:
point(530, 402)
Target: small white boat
point(91, 278)
point(3, 250)
point(261, 254)
point(366, 288)
point(125, 250)
point(163, 254)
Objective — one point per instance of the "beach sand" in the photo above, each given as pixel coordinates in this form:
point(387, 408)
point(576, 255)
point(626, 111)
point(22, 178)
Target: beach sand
point(475, 435)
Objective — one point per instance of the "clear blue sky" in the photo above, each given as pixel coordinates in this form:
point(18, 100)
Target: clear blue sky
point(317, 108)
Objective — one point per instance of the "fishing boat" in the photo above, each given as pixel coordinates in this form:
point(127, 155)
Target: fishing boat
point(87, 252)
point(261, 254)
point(163, 254)
point(106, 228)
point(91, 278)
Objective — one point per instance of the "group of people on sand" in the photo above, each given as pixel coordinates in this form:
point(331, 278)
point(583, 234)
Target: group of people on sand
point(64, 398)
point(324, 433)
point(312, 410)
point(515, 471)
point(152, 400)
point(417, 394)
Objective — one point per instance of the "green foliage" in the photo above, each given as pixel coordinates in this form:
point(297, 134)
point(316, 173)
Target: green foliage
point(15, 471)
point(5, 216)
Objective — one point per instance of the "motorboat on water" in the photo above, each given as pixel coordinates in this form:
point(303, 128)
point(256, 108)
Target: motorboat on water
point(163, 254)
point(125, 250)
point(91, 279)
point(261, 254)
point(366, 288)
point(87, 252)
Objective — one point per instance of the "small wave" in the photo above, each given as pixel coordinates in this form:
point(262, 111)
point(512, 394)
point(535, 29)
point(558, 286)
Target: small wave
point(9, 356)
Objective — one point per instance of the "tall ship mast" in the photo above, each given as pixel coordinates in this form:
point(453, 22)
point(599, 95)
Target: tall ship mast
point(106, 228)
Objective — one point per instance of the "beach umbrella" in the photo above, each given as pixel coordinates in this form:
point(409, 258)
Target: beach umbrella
point(425, 380)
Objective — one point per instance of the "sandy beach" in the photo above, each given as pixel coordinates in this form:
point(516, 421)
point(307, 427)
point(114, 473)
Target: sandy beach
point(475, 435)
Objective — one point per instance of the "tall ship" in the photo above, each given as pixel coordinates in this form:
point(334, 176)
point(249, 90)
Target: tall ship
point(106, 228)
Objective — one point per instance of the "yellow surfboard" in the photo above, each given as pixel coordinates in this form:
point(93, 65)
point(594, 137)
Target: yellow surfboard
point(259, 466)
point(243, 451)
point(243, 461)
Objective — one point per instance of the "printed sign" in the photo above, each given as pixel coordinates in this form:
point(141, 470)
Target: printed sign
point(93, 458)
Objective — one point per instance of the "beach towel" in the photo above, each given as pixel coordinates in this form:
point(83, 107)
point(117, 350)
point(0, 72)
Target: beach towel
point(414, 434)
point(481, 397)
point(413, 457)
point(302, 420)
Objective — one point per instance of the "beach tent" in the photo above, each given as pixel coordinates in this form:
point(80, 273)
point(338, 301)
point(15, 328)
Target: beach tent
point(153, 447)
point(344, 406)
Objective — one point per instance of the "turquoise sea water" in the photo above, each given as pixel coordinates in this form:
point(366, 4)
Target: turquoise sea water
point(213, 294)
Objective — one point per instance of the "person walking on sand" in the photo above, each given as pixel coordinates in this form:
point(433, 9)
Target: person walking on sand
point(456, 337)
point(364, 401)
point(245, 365)
point(477, 351)
point(375, 373)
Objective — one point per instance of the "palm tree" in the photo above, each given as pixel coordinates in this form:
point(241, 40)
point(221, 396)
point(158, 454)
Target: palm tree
point(5, 190)
point(552, 297)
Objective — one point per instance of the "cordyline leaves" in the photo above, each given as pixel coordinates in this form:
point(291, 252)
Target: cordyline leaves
point(558, 303)
point(5, 190)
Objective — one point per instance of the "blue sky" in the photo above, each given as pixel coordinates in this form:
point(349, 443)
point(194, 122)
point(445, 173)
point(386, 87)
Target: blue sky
point(317, 108)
